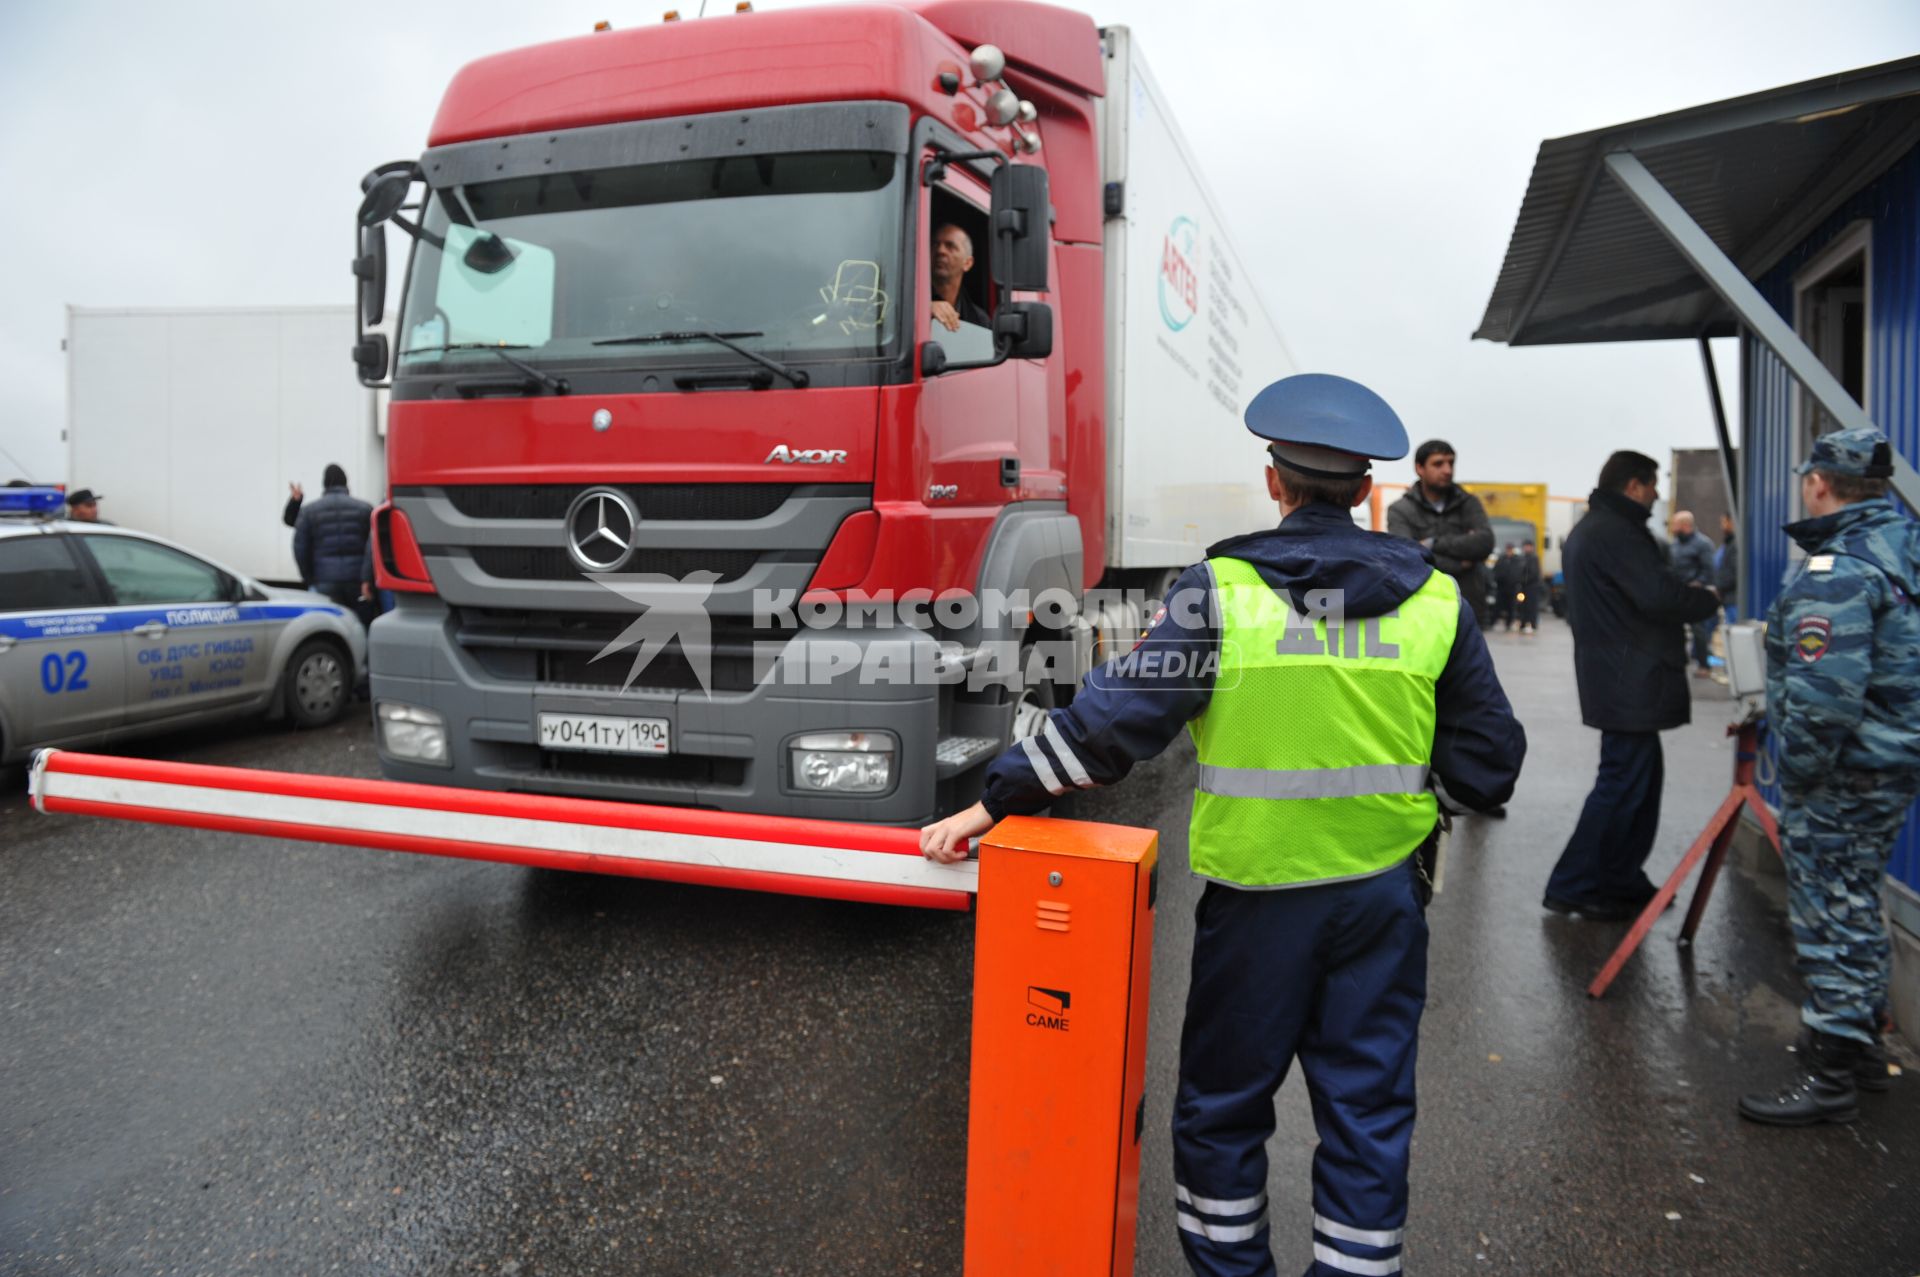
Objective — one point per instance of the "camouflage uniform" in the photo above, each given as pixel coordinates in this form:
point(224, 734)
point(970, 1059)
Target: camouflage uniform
point(1843, 694)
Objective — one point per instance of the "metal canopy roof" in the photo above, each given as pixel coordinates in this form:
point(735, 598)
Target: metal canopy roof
point(1757, 173)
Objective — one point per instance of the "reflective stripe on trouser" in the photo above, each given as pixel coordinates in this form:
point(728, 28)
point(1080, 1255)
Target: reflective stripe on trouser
point(1265, 969)
point(1836, 842)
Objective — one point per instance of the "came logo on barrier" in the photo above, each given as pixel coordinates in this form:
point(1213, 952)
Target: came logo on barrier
point(1180, 273)
point(1047, 1008)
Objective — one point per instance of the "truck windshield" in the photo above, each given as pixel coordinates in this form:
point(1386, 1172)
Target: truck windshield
point(796, 251)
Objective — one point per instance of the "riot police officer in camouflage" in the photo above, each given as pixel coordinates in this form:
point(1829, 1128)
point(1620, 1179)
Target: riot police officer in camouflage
point(1843, 697)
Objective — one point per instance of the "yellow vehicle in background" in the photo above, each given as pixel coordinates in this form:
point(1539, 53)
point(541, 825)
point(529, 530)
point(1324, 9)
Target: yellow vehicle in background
point(1518, 512)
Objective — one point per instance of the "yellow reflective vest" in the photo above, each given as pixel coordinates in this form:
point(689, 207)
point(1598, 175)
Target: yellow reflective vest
point(1315, 743)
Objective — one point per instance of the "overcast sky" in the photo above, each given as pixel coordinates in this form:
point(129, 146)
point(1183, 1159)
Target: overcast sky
point(1369, 160)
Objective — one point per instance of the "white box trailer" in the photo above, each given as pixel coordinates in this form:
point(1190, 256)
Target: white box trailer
point(1188, 341)
point(192, 422)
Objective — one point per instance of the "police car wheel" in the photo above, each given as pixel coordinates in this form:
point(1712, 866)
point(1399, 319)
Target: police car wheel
point(317, 690)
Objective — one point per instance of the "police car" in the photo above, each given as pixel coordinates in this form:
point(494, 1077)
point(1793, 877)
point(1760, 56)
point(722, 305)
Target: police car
point(107, 633)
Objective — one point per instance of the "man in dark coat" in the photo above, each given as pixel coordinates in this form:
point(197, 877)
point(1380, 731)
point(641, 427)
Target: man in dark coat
point(1692, 556)
point(1506, 585)
point(330, 542)
point(1629, 615)
point(1528, 589)
point(1447, 520)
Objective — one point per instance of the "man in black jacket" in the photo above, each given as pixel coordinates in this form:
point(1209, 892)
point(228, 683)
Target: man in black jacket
point(1448, 521)
point(1629, 614)
point(330, 543)
point(1506, 585)
point(1529, 589)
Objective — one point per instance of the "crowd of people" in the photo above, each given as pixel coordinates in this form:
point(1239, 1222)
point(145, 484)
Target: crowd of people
point(1315, 843)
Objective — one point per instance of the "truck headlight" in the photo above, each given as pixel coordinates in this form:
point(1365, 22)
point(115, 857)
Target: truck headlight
point(842, 762)
point(410, 732)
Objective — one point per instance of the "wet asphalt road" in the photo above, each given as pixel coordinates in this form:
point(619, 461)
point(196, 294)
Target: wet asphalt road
point(225, 1055)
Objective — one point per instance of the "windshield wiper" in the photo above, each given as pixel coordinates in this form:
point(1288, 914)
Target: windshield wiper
point(558, 385)
point(798, 376)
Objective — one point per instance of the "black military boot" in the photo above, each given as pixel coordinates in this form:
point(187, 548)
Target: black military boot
point(1821, 1090)
point(1870, 1071)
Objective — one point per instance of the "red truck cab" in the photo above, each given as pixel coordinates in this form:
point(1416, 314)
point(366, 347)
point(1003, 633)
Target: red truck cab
point(668, 389)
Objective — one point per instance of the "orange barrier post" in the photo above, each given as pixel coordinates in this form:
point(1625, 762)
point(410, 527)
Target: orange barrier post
point(1063, 952)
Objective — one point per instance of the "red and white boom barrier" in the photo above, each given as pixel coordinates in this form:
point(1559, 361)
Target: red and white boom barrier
point(824, 858)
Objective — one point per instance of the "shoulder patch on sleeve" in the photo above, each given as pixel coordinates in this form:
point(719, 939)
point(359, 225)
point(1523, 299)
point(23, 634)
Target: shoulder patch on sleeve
point(1811, 638)
point(1820, 563)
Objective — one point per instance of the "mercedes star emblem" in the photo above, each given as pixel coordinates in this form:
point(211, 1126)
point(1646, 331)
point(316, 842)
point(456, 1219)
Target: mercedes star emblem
point(600, 527)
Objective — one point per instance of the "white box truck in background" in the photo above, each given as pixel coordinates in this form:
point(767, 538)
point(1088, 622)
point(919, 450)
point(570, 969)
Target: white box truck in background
point(1188, 341)
point(191, 422)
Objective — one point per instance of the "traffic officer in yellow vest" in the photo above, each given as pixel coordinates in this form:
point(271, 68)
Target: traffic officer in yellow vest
point(1332, 680)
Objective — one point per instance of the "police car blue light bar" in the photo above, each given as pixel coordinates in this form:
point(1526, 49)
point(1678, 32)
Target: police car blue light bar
point(31, 500)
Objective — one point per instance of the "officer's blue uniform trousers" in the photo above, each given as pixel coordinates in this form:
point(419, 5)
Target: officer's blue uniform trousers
point(1836, 841)
point(1335, 974)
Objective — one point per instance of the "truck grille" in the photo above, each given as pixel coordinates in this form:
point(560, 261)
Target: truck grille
point(563, 646)
point(668, 668)
point(679, 769)
point(665, 501)
point(543, 563)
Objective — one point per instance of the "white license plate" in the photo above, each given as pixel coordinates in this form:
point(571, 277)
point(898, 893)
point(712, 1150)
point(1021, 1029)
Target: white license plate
point(605, 735)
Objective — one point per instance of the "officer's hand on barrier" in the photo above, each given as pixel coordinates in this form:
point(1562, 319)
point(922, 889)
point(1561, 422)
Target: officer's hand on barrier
point(946, 840)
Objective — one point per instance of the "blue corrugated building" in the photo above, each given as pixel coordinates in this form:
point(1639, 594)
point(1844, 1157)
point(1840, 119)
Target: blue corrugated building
point(1875, 233)
point(1791, 219)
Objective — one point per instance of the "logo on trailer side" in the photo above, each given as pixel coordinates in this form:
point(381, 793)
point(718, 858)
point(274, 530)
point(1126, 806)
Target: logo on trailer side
point(1180, 273)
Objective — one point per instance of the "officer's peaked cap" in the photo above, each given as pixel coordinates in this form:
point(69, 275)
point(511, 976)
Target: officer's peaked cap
point(1322, 424)
point(1860, 451)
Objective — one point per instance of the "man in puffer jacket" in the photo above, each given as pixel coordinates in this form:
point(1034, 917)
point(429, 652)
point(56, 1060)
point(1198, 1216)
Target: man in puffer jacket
point(330, 542)
point(1843, 696)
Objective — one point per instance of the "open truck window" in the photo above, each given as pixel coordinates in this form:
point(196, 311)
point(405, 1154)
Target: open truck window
point(791, 254)
point(958, 225)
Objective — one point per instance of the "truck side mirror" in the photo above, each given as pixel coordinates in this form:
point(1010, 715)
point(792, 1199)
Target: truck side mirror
point(370, 354)
point(386, 190)
point(933, 359)
point(1024, 330)
point(370, 268)
point(1022, 228)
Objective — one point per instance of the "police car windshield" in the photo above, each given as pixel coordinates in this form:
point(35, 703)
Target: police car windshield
point(796, 252)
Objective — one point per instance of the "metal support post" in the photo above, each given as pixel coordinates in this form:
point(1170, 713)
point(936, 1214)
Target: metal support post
point(1749, 306)
point(1729, 463)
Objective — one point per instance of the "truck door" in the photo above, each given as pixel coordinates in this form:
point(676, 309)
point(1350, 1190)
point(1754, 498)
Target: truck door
point(189, 647)
point(972, 414)
point(61, 678)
